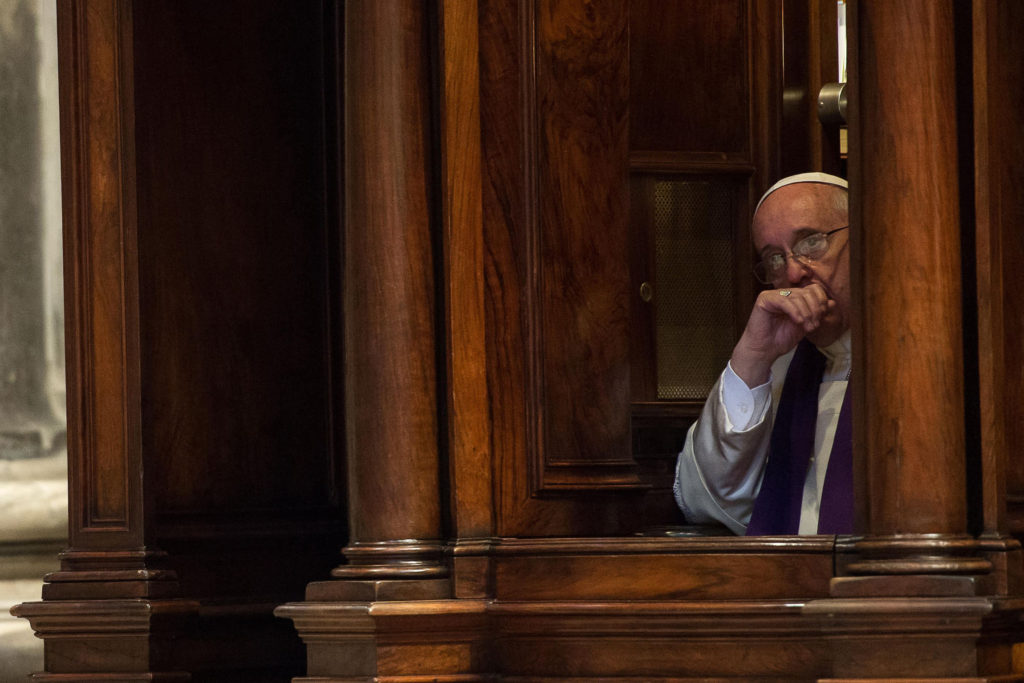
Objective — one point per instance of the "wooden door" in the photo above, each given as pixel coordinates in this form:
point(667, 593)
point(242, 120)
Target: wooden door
point(600, 122)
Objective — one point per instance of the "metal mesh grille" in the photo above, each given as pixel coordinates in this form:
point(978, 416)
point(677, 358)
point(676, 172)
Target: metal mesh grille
point(694, 316)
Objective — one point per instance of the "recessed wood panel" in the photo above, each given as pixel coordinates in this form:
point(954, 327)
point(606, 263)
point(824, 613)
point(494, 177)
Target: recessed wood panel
point(665, 577)
point(561, 224)
point(700, 52)
point(581, 231)
point(237, 254)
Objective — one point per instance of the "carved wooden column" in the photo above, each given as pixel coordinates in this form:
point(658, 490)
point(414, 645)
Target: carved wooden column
point(110, 610)
point(913, 599)
point(386, 612)
point(910, 374)
point(390, 348)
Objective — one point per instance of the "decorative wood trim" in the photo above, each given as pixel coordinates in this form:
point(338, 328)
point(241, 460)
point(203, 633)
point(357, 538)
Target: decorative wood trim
point(689, 162)
point(533, 329)
point(647, 545)
point(469, 427)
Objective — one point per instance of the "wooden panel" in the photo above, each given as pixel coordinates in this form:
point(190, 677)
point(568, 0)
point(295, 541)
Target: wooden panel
point(656, 577)
point(659, 568)
point(580, 299)
point(238, 255)
point(546, 658)
point(999, 59)
point(690, 78)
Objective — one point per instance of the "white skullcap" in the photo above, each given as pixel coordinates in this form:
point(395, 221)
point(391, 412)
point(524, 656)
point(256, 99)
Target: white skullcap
point(814, 177)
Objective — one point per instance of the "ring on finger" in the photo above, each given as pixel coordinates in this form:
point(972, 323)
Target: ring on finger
point(785, 292)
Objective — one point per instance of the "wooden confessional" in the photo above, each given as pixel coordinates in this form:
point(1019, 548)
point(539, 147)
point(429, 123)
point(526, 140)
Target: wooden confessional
point(386, 319)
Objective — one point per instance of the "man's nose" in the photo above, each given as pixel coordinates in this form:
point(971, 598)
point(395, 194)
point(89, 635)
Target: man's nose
point(796, 270)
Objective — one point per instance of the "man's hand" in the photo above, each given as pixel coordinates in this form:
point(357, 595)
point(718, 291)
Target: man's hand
point(777, 323)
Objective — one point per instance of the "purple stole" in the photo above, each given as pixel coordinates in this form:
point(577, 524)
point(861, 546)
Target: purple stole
point(777, 508)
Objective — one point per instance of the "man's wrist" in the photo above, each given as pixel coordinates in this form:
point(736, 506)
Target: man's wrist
point(753, 371)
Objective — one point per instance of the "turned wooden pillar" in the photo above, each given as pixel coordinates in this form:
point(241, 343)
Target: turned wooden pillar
point(912, 597)
point(390, 348)
point(906, 213)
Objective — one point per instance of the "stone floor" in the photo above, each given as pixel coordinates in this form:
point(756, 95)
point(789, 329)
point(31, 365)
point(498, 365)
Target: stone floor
point(33, 528)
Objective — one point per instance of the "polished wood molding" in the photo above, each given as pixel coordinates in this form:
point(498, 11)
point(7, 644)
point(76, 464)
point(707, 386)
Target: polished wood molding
point(392, 560)
point(662, 568)
point(918, 554)
point(689, 162)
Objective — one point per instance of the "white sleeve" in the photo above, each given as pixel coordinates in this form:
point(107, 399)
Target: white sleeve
point(719, 470)
point(744, 407)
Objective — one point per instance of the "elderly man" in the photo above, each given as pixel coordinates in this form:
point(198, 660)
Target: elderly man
point(771, 452)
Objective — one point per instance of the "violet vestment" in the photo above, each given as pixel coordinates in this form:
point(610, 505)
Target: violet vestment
point(722, 467)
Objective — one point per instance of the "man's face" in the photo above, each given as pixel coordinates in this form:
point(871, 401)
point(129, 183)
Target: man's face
point(788, 215)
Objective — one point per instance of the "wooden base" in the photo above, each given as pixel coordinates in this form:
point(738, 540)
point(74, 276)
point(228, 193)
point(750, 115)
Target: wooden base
point(661, 609)
point(109, 640)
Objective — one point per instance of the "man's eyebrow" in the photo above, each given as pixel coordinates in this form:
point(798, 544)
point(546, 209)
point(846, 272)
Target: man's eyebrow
point(804, 232)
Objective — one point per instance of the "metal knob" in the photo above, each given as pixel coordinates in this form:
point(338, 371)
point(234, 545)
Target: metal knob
point(646, 291)
point(832, 104)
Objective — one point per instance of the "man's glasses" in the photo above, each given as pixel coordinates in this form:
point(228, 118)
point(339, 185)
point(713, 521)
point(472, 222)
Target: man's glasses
point(810, 248)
